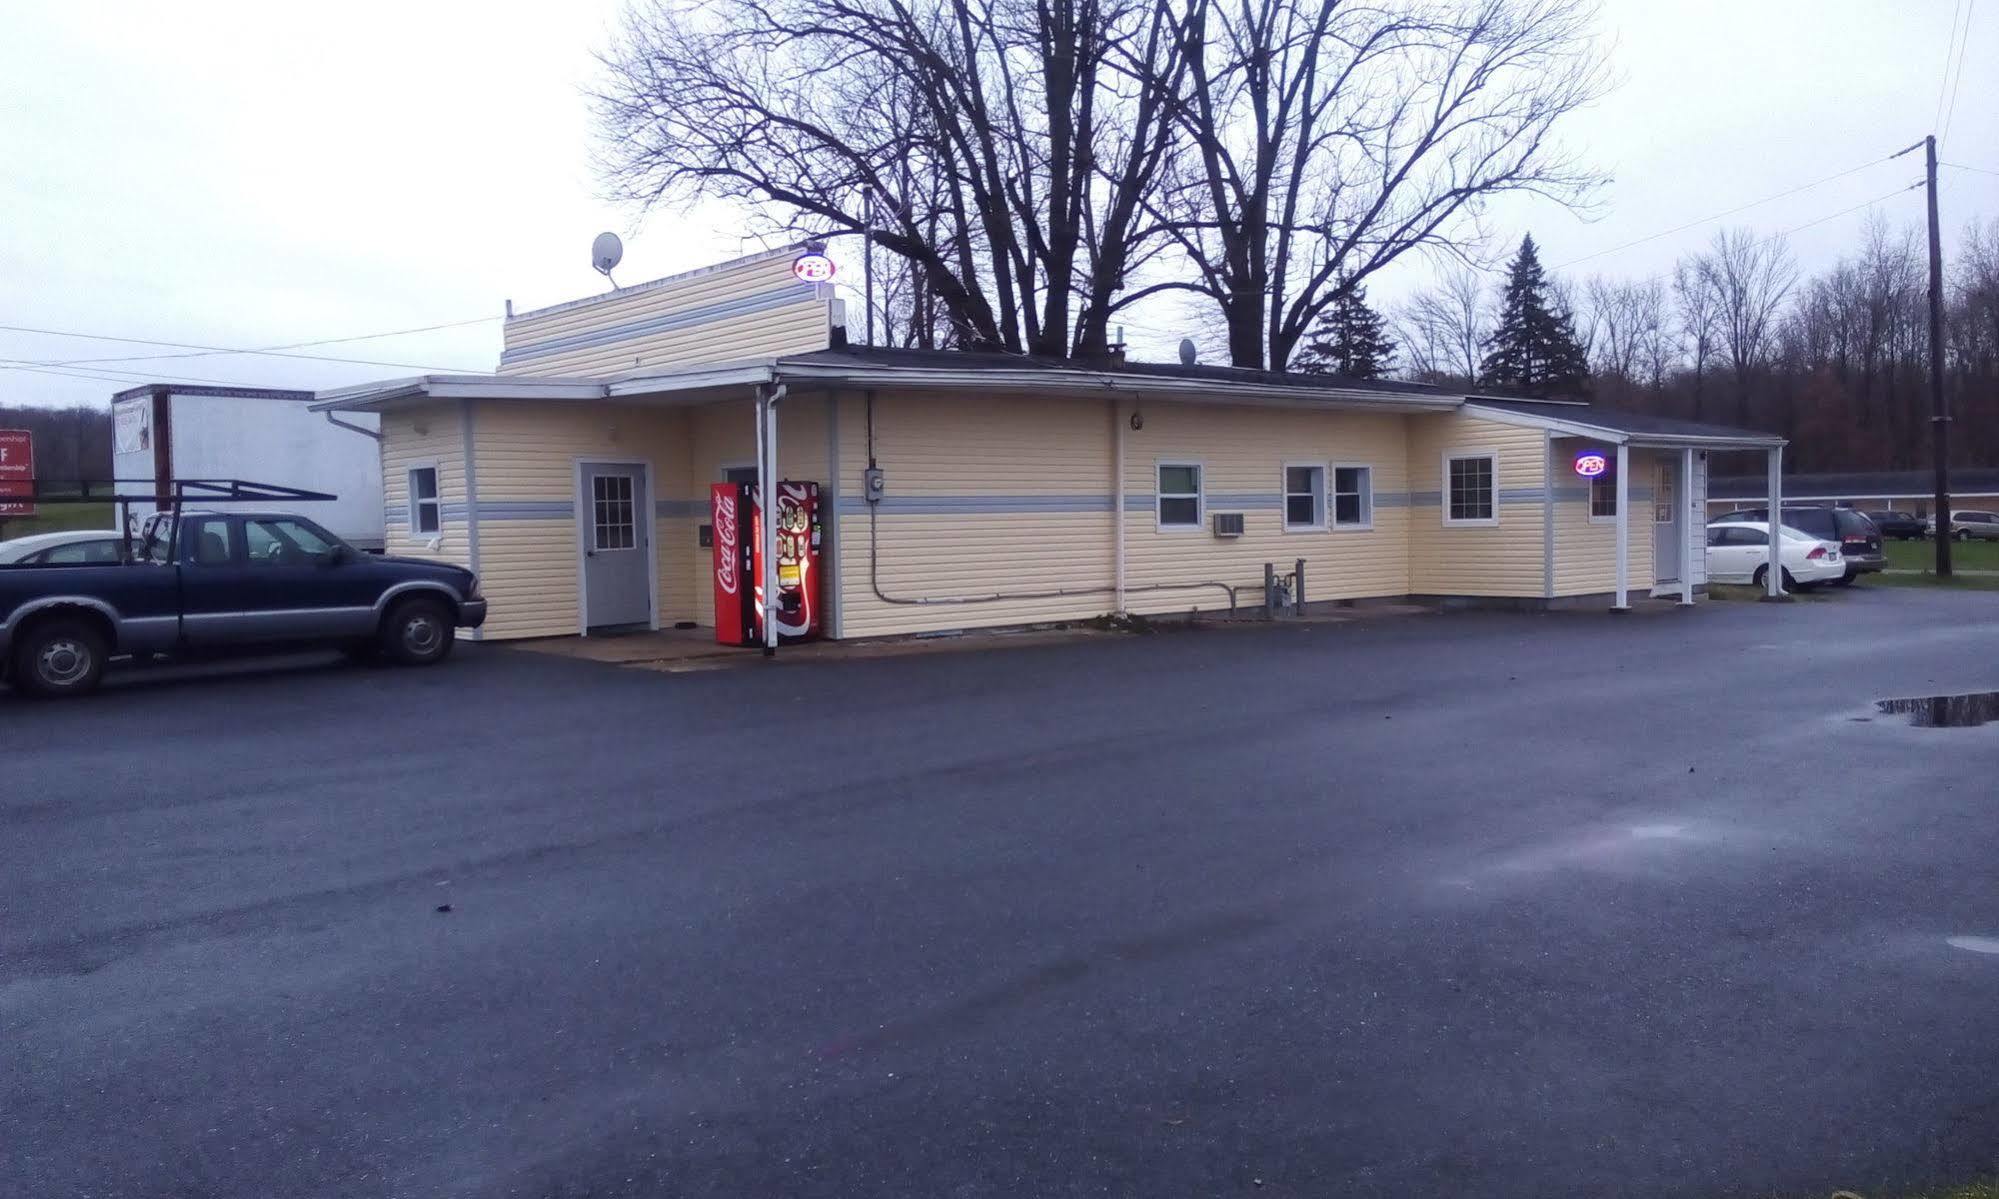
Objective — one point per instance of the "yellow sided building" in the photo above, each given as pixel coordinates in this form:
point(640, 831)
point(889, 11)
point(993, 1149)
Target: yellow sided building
point(966, 490)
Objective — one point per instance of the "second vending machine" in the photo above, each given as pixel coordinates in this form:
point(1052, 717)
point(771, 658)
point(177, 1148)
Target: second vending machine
point(739, 567)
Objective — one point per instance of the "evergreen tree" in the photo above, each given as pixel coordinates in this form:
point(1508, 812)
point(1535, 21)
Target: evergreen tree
point(1349, 339)
point(1534, 350)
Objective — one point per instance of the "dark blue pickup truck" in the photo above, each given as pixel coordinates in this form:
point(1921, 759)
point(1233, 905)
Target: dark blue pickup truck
point(215, 583)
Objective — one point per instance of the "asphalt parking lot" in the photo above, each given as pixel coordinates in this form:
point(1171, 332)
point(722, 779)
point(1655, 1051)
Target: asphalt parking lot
point(1469, 904)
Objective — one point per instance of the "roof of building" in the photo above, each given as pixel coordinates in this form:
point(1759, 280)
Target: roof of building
point(1880, 484)
point(993, 372)
point(208, 389)
point(998, 360)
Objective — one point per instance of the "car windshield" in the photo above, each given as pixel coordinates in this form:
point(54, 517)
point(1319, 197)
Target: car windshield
point(1796, 534)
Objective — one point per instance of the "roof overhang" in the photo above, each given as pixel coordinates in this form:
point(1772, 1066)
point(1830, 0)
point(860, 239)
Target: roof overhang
point(1579, 425)
point(1102, 384)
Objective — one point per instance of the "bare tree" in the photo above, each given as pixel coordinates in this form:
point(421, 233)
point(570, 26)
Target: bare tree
point(1002, 146)
point(1328, 139)
point(1749, 278)
point(1444, 329)
point(1698, 309)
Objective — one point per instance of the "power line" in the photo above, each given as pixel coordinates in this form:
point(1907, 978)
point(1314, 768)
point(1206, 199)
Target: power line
point(1962, 167)
point(1949, 52)
point(1963, 45)
point(1731, 212)
point(181, 345)
point(296, 345)
point(108, 375)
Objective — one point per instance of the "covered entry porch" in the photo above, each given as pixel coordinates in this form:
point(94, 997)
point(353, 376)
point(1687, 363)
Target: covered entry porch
point(1626, 498)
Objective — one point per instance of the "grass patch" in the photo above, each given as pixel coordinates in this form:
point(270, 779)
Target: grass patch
point(1921, 555)
point(1956, 582)
point(57, 518)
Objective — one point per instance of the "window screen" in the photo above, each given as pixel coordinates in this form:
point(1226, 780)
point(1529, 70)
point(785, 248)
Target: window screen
point(1353, 495)
point(615, 526)
point(1471, 488)
point(1304, 497)
point(425, 516)
point(1179, 495)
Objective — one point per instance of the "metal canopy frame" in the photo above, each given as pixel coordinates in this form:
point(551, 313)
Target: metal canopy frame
point(171, 498)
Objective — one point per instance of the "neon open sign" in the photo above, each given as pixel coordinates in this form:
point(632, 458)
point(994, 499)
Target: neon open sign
point(813, 268)
point(1591, 463)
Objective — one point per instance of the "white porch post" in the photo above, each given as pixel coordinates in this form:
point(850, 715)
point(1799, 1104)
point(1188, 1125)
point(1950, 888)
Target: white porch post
point(767, 510)
point(1623, 600)
point(1691, 521)
point(1773, 580)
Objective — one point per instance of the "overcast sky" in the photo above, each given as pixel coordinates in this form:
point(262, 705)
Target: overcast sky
point(257, 174)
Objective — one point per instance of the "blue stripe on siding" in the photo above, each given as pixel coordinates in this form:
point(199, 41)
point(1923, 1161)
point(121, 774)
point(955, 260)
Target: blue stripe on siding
point(943, 505)
point(789, 294)
point(670, 509)
point(526, 509)
point(395, 514)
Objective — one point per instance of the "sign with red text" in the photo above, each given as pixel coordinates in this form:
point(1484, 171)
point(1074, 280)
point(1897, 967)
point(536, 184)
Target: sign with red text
point(17, 472)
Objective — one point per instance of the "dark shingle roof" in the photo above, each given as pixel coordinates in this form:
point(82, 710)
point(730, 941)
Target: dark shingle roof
point(881, 356)
point(1638, 423)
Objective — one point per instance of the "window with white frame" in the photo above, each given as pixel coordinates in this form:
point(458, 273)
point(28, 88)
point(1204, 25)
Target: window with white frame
point(426, 513)
point(1471, 489)
point(1304, 498)
point(1603, 495)
point(1353, 497)
point(1179, 495)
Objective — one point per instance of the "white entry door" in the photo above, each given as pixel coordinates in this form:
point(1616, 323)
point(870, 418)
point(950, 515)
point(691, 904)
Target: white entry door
point(617, 544)
point(1666, 539)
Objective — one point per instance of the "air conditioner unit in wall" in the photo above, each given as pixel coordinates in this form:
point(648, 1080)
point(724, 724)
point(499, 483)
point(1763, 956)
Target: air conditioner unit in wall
point(1228, 524)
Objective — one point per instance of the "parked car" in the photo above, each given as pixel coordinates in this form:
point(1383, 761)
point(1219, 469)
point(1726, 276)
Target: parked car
point(1968, 524)
point(1902, 526)
point(1738, 551)
point(1858, 539)
point(73, 547)
point(217, 583)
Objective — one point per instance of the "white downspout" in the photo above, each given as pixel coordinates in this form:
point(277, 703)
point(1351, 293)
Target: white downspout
point(1117, 497)
point(1622, 602)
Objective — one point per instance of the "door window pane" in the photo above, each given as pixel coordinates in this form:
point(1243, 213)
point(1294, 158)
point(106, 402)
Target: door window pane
point(614, 526)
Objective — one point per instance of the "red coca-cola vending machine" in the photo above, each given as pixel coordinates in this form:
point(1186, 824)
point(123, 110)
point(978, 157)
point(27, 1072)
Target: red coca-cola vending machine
point(739, 573)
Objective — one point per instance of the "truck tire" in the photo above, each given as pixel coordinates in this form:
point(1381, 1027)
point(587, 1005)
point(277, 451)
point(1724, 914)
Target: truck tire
point(59, 658)
point(418, 631)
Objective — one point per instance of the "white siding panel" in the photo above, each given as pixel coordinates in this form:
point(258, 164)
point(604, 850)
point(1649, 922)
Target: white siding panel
point(434, 432)
point(1503, 559)
point(751, 308)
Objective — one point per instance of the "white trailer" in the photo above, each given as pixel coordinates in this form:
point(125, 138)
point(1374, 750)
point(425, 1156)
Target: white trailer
point(166, 432)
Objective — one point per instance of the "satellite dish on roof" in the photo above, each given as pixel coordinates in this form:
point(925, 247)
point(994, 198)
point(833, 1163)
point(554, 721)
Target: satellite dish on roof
point(1188, 351)
point(606, 252)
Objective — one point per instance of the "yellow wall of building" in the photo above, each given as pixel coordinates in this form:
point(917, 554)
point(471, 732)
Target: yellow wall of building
point(529, 539)
point(749, 308)
point(1243, 453)
point(1503, 558)
point(431, 435)
point(1586, 549)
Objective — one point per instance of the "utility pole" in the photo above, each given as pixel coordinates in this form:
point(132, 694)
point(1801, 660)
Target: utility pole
point(1939, 403)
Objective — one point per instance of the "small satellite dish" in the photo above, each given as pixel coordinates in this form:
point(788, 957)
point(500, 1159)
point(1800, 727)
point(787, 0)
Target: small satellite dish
point(1188, 351)
point(606, 252)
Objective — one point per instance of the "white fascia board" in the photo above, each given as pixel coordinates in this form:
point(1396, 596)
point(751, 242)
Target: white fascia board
point(1527, 420)
point(1662, 441)
point(726, 374)
point(1106, 383)
point(375, 397)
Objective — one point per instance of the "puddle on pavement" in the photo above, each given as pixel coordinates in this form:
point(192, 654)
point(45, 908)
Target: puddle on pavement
point(1974, 944)
point(1945, 711)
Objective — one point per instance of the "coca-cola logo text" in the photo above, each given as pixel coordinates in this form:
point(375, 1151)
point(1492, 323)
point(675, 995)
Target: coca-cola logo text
point(725, 543)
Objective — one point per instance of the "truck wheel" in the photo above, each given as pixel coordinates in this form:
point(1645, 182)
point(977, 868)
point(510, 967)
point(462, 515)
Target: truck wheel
point(418, 632)
point(59, 658)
